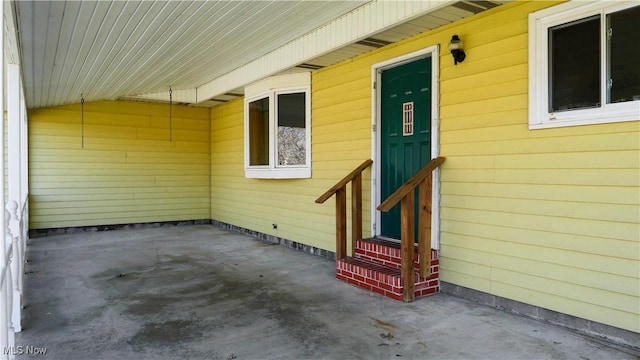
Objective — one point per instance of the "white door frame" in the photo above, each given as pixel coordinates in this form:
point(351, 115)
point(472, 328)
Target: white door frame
point(376, 77)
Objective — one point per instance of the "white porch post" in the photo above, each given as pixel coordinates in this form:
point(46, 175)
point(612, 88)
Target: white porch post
point(16, 260)
point(14, 137)
point(23, 211)
point(4, 311)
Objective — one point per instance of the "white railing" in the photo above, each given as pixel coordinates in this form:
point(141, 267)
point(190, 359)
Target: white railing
point(11, 271)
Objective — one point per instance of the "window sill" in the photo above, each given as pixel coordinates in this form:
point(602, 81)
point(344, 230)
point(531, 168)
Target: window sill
point(280, 173)
point(623, 112)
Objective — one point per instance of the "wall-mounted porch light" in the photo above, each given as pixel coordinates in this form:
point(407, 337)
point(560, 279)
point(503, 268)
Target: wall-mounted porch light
point(455, 46)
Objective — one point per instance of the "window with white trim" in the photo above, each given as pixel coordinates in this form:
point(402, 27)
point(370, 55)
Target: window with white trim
point(584, 64)
point(277, 113)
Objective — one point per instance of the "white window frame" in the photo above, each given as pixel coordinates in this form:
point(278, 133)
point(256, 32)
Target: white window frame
point(539, 24)
point(271, 88)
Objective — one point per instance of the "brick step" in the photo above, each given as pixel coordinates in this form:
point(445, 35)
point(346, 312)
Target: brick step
point(387, 253)
point(384, 280)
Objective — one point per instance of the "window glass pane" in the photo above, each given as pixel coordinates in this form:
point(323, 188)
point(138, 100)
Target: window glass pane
point(574, 65)
point(259, 132)
point(624, 55)
point(291, 129)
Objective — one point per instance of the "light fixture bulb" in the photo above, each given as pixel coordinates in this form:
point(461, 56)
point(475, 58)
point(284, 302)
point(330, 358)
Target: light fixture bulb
point(455, 46)
point(455, 43)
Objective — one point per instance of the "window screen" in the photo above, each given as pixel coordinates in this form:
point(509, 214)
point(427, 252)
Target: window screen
point(623, 32)
point(574, 65)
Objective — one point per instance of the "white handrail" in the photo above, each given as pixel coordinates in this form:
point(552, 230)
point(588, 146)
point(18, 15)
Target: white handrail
point(7, 296)
point(4, 308)
point(17, 262)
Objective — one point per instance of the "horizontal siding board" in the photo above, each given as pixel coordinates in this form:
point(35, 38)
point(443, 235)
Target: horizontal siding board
point(154, 180)
point(471, 268)
point(128, 108)
point(354, 87)
point(587, 270)
point(576, 177)
point(589, 286)
point(479, 121)
point(334, 110)
point(307, 231)
point(505, 103)
point(127, 213)
point(65, 154)
point(569, 226)
point(485, 77)
point(488, 92)
point(575, 194)
point(608, 142)
point(449, 273)
point(123, 171)
point(560, 209)
point(620, 159)
point(560, 303)
point(538, 279)
point(125, 218)
point(342, 147)
point(295, 208)
point(61, 193)
point(113, 206)
point(569, 291)
point(511, 132)
point(87, 159)
point(69, 167)
point(552, 241)
point(341, 137)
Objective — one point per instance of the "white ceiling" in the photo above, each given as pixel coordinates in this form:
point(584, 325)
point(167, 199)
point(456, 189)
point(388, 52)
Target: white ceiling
point(138, 49)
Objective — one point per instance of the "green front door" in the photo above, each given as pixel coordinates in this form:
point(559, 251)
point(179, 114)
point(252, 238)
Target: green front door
point(405, 132)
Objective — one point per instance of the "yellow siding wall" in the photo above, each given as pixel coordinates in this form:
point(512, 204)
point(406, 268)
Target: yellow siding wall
point(128, 170)
point(547, 217)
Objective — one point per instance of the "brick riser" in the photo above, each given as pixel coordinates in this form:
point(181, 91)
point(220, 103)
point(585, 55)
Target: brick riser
point(388, 253)
point(376, 267)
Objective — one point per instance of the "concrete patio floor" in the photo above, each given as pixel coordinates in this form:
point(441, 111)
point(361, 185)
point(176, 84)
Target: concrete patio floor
point(201, 292)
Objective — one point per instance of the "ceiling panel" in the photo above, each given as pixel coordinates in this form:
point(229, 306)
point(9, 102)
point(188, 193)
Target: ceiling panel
point(122, 49)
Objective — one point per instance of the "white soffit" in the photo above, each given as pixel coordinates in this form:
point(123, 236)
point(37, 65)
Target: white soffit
point(10, 42)
point(371, 18)
point(434, 19)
